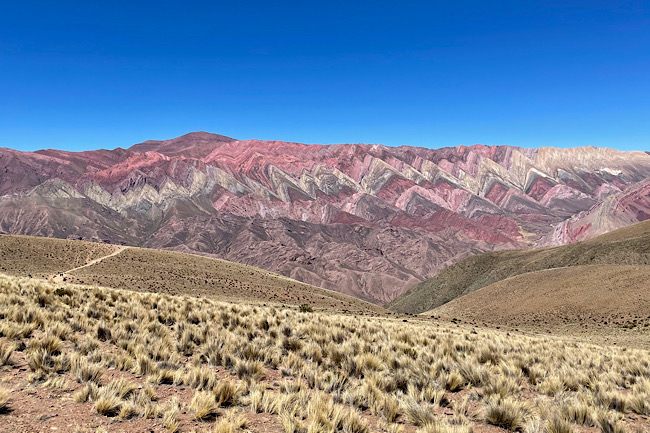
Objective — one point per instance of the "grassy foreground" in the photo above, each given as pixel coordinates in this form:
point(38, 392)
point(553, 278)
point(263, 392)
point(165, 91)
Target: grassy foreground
point(84, 359)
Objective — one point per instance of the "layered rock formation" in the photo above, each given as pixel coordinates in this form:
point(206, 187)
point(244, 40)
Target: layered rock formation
point(366, 220)
point(615, 211)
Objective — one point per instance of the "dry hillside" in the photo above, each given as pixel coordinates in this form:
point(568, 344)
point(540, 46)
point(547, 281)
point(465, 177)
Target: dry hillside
point(104, 360)
point(627, 246)
point(42, 257)
point(149, 270)
point(608, 303)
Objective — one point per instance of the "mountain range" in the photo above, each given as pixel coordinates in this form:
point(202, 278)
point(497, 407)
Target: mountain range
point(366, 220)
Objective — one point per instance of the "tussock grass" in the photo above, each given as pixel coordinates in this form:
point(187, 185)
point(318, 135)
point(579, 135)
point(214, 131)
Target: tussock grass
point(438, 426)
point(507, 413)
point(108, 405)
point(118, 351)
point(226, 394)
point(204, 406)
point(558, 424)
point(84, 371)
point(4, 399)
point(170, 416)
point(6, 349)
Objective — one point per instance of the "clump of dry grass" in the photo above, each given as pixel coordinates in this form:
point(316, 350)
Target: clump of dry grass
point(557, 424)
point(4, 399)
point(438, 426)
point(609, 424)
point(56, 382)
point(84, 371)
point(506, 413)
point(418, 414)
point(170, 416)
point(204, 405)
point(108, 405)
point(226, 394)
point(85, 393)
point(6, 349)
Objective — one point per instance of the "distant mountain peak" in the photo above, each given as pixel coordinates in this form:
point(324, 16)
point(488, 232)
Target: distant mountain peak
point(203, 135)
point(192, 145)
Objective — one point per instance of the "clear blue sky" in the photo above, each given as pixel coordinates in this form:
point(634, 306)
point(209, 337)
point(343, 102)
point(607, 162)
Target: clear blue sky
point(84, 74)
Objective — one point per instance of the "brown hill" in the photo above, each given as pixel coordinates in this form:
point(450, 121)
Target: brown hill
point(592, 301)
point(157, 271)
point(589, 291)
point(42, 257)
point(627, 246)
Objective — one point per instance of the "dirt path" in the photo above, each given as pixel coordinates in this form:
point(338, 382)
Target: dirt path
point(60, 276)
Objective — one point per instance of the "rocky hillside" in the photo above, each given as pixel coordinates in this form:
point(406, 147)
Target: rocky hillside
point(365, 220)
point(613, 212)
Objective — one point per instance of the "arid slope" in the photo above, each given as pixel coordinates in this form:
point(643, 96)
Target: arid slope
point(31, 256)
point(149, 270)
point(627, 246)
point(605, 303)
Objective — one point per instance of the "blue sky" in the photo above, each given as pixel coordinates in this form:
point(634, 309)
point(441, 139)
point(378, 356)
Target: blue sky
point(84, 75)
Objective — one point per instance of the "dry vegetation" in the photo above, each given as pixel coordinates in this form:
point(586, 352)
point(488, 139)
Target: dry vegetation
point(42, 257)
point(115, 360)
point(604, 303)
point(149, 270)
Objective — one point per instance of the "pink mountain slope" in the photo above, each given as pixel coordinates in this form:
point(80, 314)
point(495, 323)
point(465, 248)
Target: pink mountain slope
point(366, 220)
point(616, 210)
